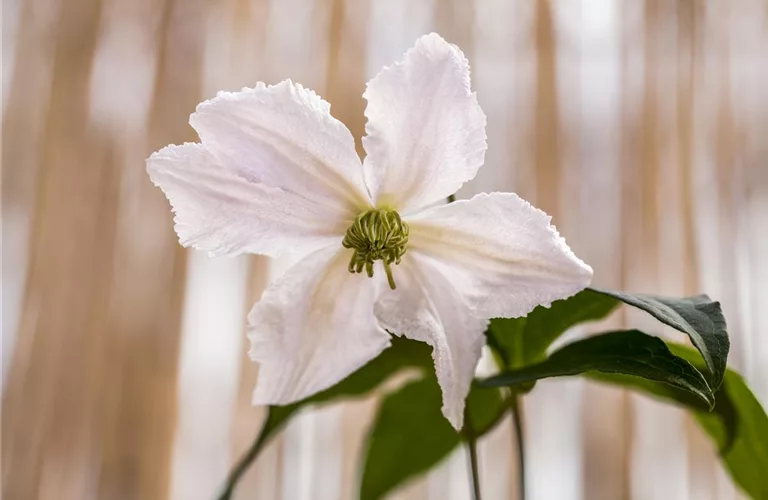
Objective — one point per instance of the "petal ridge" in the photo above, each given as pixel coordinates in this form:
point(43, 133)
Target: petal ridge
point(427, 307)
point(217, 211)
point(283, 135)
point(425, 134)
point(502, 252)
point(312, 327)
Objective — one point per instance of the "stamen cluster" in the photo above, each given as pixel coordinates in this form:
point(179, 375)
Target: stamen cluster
point(378, 234)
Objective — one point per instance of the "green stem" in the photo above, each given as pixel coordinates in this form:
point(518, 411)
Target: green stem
point(245, 461)
point(470, 436)
point(517, 420)
point(472, 446)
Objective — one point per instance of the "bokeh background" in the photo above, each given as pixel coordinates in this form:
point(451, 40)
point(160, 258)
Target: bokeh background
point(641, 126)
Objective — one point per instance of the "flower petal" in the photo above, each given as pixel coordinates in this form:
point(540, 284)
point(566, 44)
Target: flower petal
point(284, 136)
point(426, 307)
point(501, 252)
point(426, 131)
point(218, 211)
point(313, 327)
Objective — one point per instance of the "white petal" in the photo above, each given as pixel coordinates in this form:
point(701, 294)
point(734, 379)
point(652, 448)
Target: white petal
point(218, 211)
point(426, 307)
point(313, 327)
point(284, 136)
point(426, 132)
point(501, 252)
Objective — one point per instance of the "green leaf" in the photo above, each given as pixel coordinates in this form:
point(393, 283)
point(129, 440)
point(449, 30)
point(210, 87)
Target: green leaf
point(629, 352)
point(410, 434)
point(506, 338)
point(747, 459)
point(698, 317)
point(723, 410)
point(738, 424)
point(523, 341)
point(743, 435)
point(403, 353)
point(485, 407)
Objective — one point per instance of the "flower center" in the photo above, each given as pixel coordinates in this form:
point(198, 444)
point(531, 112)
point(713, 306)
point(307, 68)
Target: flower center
point(378, 234)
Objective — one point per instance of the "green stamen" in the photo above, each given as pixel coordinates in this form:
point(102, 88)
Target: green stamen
point(377, 234)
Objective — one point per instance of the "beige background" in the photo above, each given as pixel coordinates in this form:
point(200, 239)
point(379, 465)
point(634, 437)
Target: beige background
point(641, 126)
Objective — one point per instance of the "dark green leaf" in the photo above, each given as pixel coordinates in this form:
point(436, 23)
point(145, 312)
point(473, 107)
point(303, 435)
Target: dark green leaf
point(522, 341)
point(653, 388)
point(698, 317)
point(725, 408)
point(402, 354)
point(410, 436)
point(629, 352)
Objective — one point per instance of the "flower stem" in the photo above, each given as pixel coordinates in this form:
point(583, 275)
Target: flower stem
point(475, 472)
point(245, 461)
point(517, 420)
point(470, 436)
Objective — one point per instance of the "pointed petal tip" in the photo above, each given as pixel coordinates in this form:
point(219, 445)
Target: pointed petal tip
point(582, 272)
point(432, 39)
point(455, 416)
point(258, 398)
point(586, 272)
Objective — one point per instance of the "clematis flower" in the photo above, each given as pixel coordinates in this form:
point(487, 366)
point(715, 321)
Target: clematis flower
point(276, 174)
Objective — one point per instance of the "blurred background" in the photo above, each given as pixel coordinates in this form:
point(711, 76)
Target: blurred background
point(641, 126)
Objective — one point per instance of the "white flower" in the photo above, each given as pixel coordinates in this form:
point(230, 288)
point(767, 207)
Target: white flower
point(276, 173)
